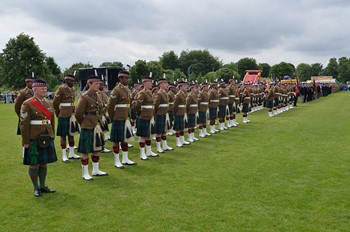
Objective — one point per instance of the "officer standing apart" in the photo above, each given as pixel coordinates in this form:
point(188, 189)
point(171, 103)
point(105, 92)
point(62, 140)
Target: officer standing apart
point(118, 110)
point(37, 129)
point(67, 126)
point(88, 114)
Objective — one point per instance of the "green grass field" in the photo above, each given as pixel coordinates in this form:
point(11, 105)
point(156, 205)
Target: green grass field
point(286, 173)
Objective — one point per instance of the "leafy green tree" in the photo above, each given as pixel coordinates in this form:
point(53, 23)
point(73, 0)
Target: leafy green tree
point(20, 58)
point(232, 66)
point(344, 69)
point(156, 69)
point(169, 60)
point(179, 75)
point(246, 64)
point(265, 68)
point(138, 71)
point(75, 67)
point(316, 69)
point(224, 74)
point(303, 72)
point(209, 77)
point(112, 64)
point(282, 69)
point(332, 68)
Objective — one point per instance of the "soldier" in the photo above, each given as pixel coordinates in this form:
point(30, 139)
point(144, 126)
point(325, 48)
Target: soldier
point(223, 104)
point(133, 117)
point(118, 110)
point(67, 126)
point(213, 105)
point(246, 101)
point(23, 95)
point(37, 129)
point(231, 88)
point(203, 103)
point(144, 109)
point(179, 114)
point(171, 97)
point(192, 110)
point(89, 115)
point(105, 118)
point(161, 107)
point(270, 98)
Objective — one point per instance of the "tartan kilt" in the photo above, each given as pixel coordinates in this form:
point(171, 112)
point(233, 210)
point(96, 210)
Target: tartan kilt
point(63, 126)
point(179, 122)
point(191, 120)
point(276, 102)
point(245, 108)
point(202, 117)
point(230, 108)
point(171, 117)
point(143, 128)
point(213, 113)
point(118, 131)
point(160, 123)
point(132, 114)
point(86, 141)
point(222, 111)
point(269, 104)
point(36, 155)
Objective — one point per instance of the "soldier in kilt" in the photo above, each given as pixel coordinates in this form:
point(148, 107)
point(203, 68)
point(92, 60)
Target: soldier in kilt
point(144, 109)
point(246, 101)
point(179, 114)
point(133, 117)
point(232, 91)
point(67, 126)
point(270, 98)
point(105, 117)
point(37, 130)
point(223, 105)
point(213, 105)
point(172, 90)
point(89, 115)
point(118, 110)
point(161, 118)
point(203, 103)
point(192, 111)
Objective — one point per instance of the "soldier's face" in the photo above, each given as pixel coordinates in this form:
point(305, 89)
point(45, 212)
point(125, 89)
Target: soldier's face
point(69, 82)
point(147, 84)
point(124, 80)
point(29, 84)
point(40, 92)
point(94, 86)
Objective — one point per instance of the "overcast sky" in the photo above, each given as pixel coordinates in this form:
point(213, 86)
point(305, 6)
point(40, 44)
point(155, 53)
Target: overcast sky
point(271, 31)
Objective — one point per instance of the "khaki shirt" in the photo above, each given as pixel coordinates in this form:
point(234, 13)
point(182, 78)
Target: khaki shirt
point(89, 110)
point(213, 98)
point(180, 103)
point(171, 97)
point(223, 97)
point(231, 93)
point(64, 94)
point(119, 103)
point(23, 95)
point(192, 103)
point(144, 105)
point(161, 103)
point(203, 101)
point(28, 113)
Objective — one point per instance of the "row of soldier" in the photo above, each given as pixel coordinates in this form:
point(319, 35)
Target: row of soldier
point(169, 107)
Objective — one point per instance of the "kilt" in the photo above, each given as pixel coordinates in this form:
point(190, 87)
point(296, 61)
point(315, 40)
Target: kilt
point(213, 113)
point(118, 131)
point(245, 108)
point(171, 117)
point(86, 141)
point(143, 128)
point(222, 111)
point(132, 114)
point(63, 126)
point(202, 117)
point(230, 108)
point(276, 102)
point(179, 123)
point(269, 104)
point(160, 123)
point(191, 120)
point(36, 155)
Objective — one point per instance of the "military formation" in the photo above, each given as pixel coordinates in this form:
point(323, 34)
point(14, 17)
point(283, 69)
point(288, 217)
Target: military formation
point(154, 110)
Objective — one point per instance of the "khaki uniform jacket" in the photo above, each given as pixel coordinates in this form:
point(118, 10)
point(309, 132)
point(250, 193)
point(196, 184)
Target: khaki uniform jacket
point(231, 93)
point(119, 95)
point(144, 105)
point(89, 110)
point(213, 98)
point(271, 94)
point(246, 96)
point(28, 113)
point(161, 98)
point(64, 94)
point(223, 97)
point(23, 95)
point(192, 103)
point(203, 101)
point(180, 103)
point(171, 98)
point(104, 101)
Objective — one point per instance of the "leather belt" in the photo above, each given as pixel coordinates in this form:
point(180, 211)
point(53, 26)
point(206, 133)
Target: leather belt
point(91, 113)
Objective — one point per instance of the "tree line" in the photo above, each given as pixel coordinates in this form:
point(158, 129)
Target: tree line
point(22, 56)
